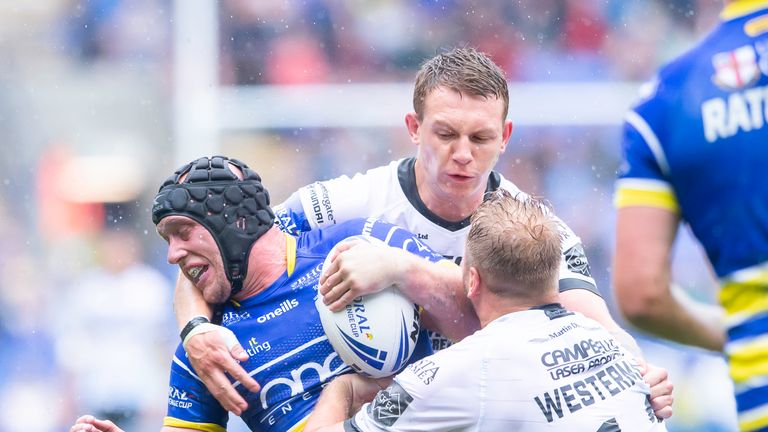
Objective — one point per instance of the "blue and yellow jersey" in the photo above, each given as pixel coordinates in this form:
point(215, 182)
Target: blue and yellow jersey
point(289, 354)
point(697, 145)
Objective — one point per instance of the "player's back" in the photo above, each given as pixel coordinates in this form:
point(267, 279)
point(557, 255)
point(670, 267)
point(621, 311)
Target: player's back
point(542, 369)
point(704, 126)
point(559, 371)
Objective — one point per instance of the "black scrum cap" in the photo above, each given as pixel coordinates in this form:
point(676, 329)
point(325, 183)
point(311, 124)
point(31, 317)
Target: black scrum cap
point(235, 211)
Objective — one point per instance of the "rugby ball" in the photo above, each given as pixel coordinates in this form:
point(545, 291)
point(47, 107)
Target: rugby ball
point(375, 334)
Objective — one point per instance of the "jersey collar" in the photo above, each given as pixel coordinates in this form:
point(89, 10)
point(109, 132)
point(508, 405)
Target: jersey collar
point(406, 175)
point(290, 253)
point(741, 8)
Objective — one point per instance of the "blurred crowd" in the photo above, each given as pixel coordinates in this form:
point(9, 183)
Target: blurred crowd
point(86, 320)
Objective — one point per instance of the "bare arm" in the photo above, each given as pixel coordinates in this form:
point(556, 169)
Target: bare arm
point(362, 268)
point(208, 351)
point(341, 399)
point(641, 279)
point(188, 302)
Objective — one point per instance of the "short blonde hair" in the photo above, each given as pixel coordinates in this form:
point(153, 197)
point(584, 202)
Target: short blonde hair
point(464, 70)
point(515, 244)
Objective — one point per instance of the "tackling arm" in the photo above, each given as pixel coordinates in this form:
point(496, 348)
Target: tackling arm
point(436, 287)
point(641, 279)
point(341, 399)
point(208, 350)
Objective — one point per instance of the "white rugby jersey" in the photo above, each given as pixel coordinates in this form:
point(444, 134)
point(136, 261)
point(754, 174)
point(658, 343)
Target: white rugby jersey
point(389, 193)
point(542, 369)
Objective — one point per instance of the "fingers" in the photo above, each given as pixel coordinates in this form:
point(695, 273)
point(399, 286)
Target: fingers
point(333, 277)
point(238, 353)
point(658, 380)
point(240, 375)
point(88, 423)
point(339, 304)
point(223, 390)
point(211, 358)
point(336, 293)
point(333, 264)
point(662, 406)
point(661, 391)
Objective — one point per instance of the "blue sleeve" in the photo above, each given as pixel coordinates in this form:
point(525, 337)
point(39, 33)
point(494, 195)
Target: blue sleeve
point(639, 160)
point(189, 402)
point(290, 216)
point(400, 238)
point(321, 241)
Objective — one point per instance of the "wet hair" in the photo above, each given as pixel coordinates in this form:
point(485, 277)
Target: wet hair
point(464, 70)
point(234, 209)
point(515, 244)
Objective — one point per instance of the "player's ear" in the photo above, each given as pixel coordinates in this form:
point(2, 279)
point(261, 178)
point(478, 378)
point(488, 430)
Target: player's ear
point(473, 282)
point(412, 123)
point(506, 133)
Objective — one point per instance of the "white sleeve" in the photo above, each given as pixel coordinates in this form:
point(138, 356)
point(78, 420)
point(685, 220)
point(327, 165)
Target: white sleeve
point(574, 270)
point(337, 200)
point(436, 393)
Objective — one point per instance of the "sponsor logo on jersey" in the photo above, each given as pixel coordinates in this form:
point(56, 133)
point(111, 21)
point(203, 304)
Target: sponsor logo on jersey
point(284, 221)
point(326, 202)
point(298, 380)
point(577, 260)
point(285, 307)
point(256, 347)
point(583, 356)
point(309, 278)
point(425, 370)
point(315, 202)
point(229, 318)
point(564, 330)
point(389, 404)
point(178, 398)
point(321, 204)
point(735, 69)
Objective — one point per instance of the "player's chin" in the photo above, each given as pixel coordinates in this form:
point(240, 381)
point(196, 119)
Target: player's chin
point(462, 185)
point(215, 295)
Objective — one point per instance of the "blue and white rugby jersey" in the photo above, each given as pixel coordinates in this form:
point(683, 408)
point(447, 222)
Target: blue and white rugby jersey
point(696, 145)
point(289, 354)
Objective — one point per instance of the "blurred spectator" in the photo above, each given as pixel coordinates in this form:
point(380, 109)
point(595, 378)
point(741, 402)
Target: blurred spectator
point(115, 335)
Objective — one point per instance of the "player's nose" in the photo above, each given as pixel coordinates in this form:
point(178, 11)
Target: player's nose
point(176, 251)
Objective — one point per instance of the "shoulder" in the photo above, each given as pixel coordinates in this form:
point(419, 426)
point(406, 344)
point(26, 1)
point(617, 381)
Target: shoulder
point(510, 187)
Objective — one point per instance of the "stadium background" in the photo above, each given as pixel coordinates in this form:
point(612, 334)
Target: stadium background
point(101, 99)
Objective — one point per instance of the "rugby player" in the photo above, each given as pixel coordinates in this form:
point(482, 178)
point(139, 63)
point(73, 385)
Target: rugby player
point(571, 376)
point(694, 151)
point(460, 128)
point(215, 215)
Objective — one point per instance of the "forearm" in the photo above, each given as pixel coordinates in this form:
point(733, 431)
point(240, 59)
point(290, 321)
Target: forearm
point(438, 288)
point(677, 317)
point(188, 302)
point(341, 399)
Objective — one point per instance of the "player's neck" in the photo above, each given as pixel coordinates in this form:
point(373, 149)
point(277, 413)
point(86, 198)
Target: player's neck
point(266, 263)
point(451, 207)
point(494, 306)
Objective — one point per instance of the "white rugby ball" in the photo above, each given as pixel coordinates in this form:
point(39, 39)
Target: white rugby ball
point(375, 334)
